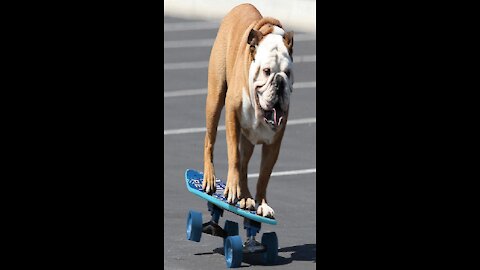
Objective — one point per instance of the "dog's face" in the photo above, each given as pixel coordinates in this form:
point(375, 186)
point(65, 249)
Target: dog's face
point(271, 76)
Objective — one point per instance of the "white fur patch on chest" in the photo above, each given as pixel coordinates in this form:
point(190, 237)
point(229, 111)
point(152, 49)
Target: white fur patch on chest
point(256, 132)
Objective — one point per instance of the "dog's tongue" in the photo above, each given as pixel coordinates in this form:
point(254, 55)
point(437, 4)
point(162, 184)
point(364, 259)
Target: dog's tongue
point(272, 117)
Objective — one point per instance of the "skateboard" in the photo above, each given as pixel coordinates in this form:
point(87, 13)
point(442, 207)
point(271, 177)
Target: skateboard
point(232, 241)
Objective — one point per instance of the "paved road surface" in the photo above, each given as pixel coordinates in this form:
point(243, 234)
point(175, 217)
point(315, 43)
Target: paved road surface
point(291, 194)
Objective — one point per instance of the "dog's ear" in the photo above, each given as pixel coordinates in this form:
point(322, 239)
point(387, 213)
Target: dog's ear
point(253, 39)
point(288, 40)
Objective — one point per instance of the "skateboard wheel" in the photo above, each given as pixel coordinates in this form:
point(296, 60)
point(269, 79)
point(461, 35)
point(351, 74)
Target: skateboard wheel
point(194, 226)
point(233, 251)
point(270, 241)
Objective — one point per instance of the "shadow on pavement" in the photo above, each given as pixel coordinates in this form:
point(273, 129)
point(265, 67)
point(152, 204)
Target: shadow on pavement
point(306, 252)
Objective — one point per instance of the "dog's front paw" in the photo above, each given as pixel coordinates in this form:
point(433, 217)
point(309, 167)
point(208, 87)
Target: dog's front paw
point(232, 190)
point(208, 184)
point(265, 210)
point(247, 203)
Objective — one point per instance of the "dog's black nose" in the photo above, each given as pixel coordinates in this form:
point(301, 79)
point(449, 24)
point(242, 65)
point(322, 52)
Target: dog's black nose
point(279, 83)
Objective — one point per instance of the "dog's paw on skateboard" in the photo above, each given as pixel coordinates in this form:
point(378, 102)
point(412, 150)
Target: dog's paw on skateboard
point(247, 203)
point(232, 192)
point(265, 210)
point(208, 184)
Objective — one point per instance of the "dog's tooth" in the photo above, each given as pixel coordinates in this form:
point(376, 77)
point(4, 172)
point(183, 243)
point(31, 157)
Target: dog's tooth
point(274, 116)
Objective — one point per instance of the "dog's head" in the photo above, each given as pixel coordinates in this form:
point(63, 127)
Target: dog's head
point(271, 74)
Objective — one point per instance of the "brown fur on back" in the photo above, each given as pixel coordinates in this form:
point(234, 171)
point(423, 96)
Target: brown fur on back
point(238, 20)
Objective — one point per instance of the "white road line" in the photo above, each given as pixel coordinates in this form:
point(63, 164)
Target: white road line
point(220, 128)
point(192, 43)
point(294, 172)
point(304, 58)
point(183, 93)
point(187, 26)
point(204, 64)
point(188, 43)
point(185, 65)
point(300, 121)
point(203, 91)
point(300, 85)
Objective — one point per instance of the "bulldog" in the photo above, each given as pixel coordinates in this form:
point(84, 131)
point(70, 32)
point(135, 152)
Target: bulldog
point(250, 74)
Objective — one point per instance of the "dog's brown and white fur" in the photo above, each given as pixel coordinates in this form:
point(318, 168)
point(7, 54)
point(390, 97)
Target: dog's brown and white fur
point(250, 74)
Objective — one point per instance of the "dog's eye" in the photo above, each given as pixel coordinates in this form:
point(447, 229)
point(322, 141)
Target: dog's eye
point(266, 71)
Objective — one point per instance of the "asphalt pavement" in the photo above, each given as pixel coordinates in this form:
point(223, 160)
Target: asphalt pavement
point(291, 193)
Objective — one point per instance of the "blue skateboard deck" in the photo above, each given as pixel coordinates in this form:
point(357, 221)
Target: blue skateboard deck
point(194, 180)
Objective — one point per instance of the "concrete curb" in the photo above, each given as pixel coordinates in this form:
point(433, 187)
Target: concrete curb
point(294, 14)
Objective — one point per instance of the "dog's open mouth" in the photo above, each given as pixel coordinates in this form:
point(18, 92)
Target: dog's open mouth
point(273, 117)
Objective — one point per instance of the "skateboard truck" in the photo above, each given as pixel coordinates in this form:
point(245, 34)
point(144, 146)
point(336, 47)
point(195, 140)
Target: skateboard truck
point(212, 226)
point(252, 245)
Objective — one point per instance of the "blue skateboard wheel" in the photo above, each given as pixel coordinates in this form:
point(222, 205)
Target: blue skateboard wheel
point(194, 226)
point(271, 242)
point(233, 251)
